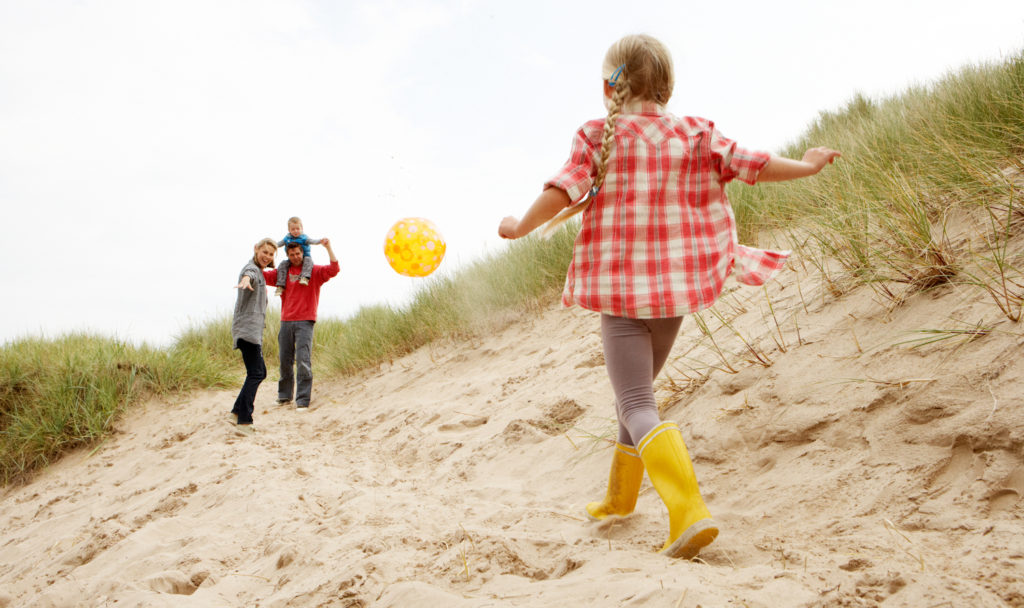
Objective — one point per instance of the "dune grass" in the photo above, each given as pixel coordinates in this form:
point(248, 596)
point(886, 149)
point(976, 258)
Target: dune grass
point(57, 395)
point(518, 280)
point(928, 193)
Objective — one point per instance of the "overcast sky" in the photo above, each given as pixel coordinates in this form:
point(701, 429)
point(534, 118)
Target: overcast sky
point(145, 146)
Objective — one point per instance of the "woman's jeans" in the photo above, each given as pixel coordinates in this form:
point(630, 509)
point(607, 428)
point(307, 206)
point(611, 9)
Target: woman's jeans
point(255, 372)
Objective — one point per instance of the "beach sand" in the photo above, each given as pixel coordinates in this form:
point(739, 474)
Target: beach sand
point(846, 468)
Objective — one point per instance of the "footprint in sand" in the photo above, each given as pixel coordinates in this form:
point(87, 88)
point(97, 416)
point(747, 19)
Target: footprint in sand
point(171, 581)
point(959, 465)
point(521, 432)
point(1006, 497)
point(168, 506)
point(1002, 501)
point(594, 360)
point(534, 560)
point(559, 417)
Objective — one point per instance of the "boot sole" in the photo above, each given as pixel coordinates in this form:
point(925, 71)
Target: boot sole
point(695, 538)
point(608, 517)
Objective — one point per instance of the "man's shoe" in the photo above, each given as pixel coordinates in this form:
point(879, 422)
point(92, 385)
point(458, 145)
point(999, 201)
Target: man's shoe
point(283, 401)
point(234, 417)
point(245, 430)
point(301, 408)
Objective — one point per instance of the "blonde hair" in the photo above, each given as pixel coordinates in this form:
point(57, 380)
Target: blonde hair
point(261, 244)
point(648, 67)
point(266, 241)
point(295, 220)
point(637, 66)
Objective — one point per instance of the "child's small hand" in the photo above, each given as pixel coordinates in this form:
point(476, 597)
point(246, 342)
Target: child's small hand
point(508, 228)
point(326, 242)
point(245, 283)
point(820, 156)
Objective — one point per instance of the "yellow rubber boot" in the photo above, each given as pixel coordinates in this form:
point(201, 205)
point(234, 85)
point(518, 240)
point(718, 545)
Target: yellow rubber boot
point(690, 527)
point(623, 484)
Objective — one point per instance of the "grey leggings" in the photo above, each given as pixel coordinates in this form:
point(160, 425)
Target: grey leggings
point(634, 352)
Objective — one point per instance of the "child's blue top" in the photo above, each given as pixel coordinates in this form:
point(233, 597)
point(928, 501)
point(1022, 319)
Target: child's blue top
point(302, 239)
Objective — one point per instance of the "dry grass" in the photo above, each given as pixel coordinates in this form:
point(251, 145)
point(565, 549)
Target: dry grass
point(880, 217)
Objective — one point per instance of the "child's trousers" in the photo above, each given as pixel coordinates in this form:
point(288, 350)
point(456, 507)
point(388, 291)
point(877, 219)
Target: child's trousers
point(635, 350)
point(282, 270)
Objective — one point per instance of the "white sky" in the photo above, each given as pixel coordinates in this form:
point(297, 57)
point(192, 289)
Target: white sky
point(145, 146)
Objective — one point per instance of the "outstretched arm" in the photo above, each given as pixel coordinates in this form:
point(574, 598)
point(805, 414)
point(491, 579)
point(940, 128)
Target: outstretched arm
point(780, 169)
point(547, 205)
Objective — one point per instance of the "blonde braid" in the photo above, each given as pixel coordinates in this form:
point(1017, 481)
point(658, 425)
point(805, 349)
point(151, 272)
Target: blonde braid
point(608, 135)
point(637, 66)
point(620, 95)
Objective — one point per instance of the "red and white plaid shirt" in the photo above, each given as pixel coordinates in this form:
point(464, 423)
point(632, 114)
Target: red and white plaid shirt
point(659, 239)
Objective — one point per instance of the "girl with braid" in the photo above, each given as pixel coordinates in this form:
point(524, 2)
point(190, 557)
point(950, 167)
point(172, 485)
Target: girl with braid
point(657, 240)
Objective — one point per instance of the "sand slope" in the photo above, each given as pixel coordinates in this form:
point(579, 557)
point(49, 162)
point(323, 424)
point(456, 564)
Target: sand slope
point(850, 471)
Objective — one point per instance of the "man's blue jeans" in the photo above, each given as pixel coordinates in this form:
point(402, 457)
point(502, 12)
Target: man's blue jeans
point(295, 343)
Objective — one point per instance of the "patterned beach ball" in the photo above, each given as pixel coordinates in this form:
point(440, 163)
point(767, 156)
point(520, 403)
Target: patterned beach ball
point(414, 247)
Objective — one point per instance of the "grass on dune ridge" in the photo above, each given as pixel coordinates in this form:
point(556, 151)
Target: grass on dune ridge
point(56, 395)
point(927, 192)
point(887, 214)
point(59, 395)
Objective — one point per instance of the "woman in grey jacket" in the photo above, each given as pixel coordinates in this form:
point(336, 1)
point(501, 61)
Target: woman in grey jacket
point(247, 330)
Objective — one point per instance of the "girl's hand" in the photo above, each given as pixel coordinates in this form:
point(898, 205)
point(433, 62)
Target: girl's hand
point(509, 227)
point(245, 283)
point(820, 156)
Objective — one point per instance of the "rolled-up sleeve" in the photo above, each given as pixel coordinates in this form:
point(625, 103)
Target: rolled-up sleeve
point(733, 162)
point(325, 273)
point(575, 175)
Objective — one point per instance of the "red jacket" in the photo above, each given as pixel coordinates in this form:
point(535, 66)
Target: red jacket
point(299, 302)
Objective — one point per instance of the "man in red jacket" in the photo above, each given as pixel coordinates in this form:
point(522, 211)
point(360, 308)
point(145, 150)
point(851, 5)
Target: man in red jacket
point(298, 314)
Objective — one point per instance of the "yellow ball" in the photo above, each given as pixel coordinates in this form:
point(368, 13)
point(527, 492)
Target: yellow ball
point(414, 247)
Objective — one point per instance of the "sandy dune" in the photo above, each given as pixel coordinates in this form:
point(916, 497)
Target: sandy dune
point(851, 471)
